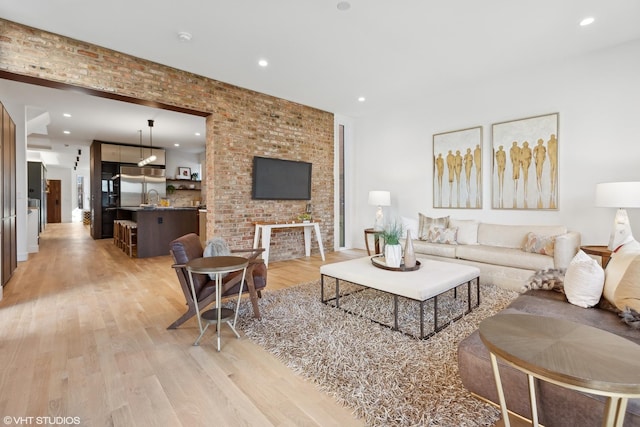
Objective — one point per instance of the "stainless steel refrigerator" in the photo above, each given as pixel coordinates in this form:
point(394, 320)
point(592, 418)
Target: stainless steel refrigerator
point(137, 184)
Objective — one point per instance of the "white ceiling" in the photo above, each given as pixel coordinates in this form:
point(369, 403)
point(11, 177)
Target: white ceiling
point(390, 52)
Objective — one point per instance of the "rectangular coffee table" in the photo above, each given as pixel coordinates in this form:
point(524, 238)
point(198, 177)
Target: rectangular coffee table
point(430, 281)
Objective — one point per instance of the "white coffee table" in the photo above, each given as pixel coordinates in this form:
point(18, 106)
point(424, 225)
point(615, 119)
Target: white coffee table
point(432, 279)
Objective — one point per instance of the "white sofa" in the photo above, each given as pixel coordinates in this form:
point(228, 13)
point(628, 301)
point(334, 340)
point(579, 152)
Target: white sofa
point(498, 250)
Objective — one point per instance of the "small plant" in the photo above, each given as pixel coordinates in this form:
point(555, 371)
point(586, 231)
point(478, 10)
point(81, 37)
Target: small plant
point(171, 189)
point(304, 217)
point(194, 176)
point(392, 233)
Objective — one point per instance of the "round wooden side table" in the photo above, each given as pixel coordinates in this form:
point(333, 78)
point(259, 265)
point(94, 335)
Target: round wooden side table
point(568, 354)
point(220, 266)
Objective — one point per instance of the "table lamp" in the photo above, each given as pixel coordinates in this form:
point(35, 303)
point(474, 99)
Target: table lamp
point(619, 195)
point(379, 199)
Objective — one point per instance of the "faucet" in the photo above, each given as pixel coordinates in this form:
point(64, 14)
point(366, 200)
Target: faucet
point(149, 196)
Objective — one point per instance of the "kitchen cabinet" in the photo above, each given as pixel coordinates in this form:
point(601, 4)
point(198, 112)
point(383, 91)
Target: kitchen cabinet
point(158, 227)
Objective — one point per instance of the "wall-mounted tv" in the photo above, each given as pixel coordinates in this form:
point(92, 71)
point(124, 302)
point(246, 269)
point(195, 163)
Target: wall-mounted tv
point(277, 179)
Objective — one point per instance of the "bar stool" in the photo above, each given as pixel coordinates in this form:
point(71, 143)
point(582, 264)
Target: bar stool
point(132, 238)
point(117, 229)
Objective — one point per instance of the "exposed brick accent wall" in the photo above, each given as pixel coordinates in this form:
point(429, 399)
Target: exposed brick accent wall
point(242, 124)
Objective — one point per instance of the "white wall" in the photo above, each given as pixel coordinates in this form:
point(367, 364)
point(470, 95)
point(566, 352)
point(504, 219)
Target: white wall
point(597, 97)
point(177, 158)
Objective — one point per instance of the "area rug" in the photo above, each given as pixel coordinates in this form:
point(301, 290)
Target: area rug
point(386, 377)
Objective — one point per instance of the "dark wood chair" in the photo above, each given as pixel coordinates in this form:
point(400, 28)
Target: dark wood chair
point(188, 247)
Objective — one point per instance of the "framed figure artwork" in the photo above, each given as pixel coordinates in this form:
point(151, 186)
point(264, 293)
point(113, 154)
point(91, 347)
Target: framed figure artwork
point(457, 169)
point(525, 163)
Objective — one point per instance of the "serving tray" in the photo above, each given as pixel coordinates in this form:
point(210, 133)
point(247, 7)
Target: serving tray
point(379, 261)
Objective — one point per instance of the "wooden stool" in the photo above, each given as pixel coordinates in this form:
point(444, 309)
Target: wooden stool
point(117, 228)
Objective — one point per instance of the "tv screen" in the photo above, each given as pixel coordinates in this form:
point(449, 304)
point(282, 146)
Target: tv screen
point(276, 179)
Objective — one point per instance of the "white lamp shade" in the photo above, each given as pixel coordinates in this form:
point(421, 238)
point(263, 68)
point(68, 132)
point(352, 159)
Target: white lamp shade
point(618, 195)
point(380, 198)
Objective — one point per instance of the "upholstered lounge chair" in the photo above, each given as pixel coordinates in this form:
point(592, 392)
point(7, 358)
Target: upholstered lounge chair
point(188, 247)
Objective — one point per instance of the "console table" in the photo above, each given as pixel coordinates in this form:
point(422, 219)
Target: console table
point(263, 233)
point(568, 354)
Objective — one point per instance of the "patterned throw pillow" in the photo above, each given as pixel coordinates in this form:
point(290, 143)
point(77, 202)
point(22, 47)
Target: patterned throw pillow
point(439, 234)
point(539, 244)
point(424, 222)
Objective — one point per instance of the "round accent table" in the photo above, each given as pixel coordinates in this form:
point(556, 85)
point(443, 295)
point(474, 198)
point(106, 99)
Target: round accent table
point(567, 354)
point(220, 266)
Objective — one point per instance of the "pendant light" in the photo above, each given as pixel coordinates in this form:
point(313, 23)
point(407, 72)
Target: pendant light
point(152, 157)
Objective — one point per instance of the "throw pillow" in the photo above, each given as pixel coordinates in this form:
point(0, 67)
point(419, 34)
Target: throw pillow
point(216, 247)
point(539, 244)
point(627, 293)
point(438, 234)
point(547, 279)
point(424, 223)
point(409, 224)
point(616, 268)
point(467, 230)
point(583, 281)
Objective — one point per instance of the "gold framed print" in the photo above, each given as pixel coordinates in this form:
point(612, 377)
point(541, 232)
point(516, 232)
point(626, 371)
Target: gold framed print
point(457, 169)
point(525, 163)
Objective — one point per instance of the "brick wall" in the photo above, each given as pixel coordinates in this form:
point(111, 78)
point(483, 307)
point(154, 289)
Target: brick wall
point(241, 124)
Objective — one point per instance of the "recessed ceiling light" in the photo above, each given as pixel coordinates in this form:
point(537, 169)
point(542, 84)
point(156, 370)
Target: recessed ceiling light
point(176, 145)
point(587, 21)
point(66, 132)
point(263, 63)
point(67, 115)
point(184, 37)
point(362, 99)
point(343, 5)
point(197, 133)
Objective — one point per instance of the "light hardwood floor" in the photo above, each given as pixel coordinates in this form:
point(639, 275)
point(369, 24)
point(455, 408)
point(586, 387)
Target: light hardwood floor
point(83, 334)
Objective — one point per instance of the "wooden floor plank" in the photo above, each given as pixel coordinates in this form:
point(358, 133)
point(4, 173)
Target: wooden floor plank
point(84, 335)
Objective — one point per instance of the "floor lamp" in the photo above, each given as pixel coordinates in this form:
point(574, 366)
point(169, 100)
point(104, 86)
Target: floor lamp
point(619, 195)
point(379, 199)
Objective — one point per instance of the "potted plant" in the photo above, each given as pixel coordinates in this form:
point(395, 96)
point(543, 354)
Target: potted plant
point(392, 247)
point(171, 189)
point(194, 176)
point(305, 217)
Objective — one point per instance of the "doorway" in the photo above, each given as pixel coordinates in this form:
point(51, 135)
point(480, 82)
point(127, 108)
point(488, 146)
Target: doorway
point(54, 197)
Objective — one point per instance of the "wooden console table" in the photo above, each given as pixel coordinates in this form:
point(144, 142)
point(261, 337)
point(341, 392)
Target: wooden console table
point(263, 232)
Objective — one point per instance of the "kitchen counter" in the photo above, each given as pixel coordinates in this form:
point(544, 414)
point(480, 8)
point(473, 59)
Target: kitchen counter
point(158, 226)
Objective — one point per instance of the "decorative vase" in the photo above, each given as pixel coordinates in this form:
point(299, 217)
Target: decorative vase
point(393, 255)
point(409, 253)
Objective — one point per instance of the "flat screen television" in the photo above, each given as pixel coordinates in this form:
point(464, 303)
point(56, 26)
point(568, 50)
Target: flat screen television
point(277, 179)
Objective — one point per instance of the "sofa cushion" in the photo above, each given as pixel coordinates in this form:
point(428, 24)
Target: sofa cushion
point(513, 236)
point(411, 225)
point(627, 293)
point(539, 244)
point(435, 249)
point(583, 281)
point(438, 234)
point(425, 221)
point(504, 256)
point(467, 230)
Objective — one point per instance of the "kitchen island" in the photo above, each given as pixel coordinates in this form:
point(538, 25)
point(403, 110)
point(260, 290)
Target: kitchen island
point(158, 226)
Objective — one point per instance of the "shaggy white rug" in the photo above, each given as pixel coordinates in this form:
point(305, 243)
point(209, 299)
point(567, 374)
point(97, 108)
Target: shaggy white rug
point(386, 377)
